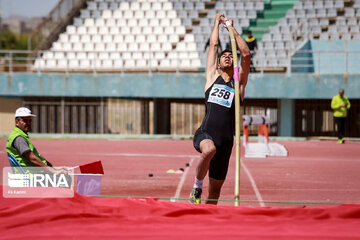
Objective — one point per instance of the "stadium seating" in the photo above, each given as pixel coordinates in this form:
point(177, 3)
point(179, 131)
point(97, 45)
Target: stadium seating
point(308, 19)
point(163, 35)
point(141, 33)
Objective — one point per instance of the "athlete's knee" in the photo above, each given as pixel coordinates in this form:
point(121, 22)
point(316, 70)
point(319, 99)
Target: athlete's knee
point(208, 150)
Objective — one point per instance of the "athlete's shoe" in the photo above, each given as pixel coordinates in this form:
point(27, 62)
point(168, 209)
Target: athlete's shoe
point(195, 195)
point(341, 141)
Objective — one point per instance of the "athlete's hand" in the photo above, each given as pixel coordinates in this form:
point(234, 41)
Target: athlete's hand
point(218, 17)
point(230, 21)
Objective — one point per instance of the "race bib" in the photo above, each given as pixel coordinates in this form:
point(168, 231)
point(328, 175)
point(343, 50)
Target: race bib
point(222, 95)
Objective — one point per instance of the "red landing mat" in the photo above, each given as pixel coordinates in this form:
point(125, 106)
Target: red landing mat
point(84, 217)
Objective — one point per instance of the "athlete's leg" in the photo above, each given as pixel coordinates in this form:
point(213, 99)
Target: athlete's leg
point(218, 170)
point(208, 150)
point(214, 190)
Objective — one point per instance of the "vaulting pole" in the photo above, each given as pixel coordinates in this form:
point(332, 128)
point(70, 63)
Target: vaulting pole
point(237, 115)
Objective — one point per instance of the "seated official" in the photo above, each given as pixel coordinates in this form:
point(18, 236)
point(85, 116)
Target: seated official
point(20, 146)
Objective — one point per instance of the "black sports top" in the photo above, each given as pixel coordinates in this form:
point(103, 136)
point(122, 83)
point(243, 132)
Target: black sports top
point(219, 120)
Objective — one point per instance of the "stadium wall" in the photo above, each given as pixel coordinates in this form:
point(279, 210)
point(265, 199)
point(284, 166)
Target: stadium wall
point(7, 107)
point(285, 89)
point(171, 85)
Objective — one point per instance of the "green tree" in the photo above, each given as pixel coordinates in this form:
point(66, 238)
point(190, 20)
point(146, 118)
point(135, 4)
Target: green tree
point(12, 41)
point(8, 40)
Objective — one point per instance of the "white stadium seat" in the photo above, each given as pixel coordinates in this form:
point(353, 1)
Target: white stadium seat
point(145, 6)
point(128, 14)
point(133, 46)
point(56, 46)
point(155, 46)
point(186, 63)
point(107, 63)
point(110, 47)
point(122, 47)
point(117, 14)
point(162, 38)
point(158, 55)
point(167, 46)
point(176, 22)
point(165, 63)
point(100, 47)
point(171, 14)
point(114, 55)
point(139, 15)
point(129, 63)
point(129, 38)
point(111, 22)
point(141, 63)
point(89, 47)
point(156, 6)
point(144, 47)
point(70, 30)
point(74, 38)
point(63, 37)
point(124, 6)
point(73, 64)
point(70, 55)
point(100, 22)
point(85, 38)
point(59, 55)
point(167, 6)
point(135, 6)
point(89, 22)
point(173, 55)
point(195, 63)
point(150, 14)
point(66, 46)
point(140, 38)
point(81, 55)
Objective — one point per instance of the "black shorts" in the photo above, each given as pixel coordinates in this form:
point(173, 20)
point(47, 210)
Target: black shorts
point(219, 164)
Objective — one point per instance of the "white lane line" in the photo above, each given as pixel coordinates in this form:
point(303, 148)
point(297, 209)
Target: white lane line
point(253, 184)
point(143, 155)
point(182, 180)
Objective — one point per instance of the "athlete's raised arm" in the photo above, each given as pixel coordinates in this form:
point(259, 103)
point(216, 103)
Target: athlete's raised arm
point(211, 63)
point(245, 62)
point(245, 59)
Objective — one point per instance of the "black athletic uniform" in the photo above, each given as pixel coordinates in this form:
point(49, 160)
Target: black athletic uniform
point(218, 125)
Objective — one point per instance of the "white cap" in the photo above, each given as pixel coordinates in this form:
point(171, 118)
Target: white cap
point(23, 112)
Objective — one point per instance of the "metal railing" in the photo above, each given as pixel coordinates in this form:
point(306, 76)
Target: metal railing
point(319, 62)
point(55, 21)
point(31, 61)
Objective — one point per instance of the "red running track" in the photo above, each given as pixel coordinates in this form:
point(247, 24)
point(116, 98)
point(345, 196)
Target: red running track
point(314, 171)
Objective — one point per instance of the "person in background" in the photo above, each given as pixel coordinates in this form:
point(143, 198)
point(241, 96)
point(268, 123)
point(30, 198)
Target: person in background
point(252, 45)
point(340, 104)
point(208, 43)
